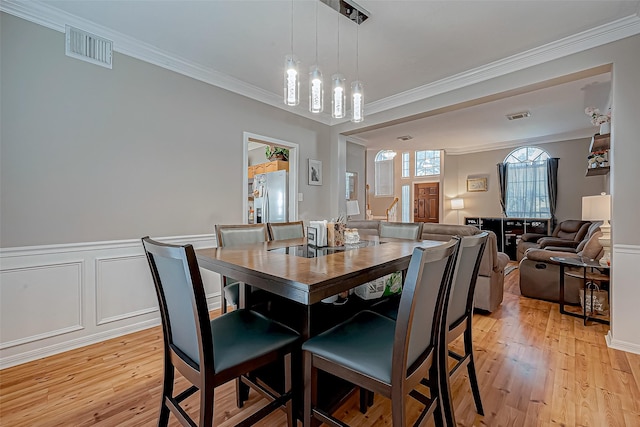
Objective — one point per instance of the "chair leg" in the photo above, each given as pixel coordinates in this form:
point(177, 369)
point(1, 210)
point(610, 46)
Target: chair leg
point(288, 385)
point(206, 406)
point(363, 401)
point(310, 384)
point(471, 369)
point(242, 392)
point(223, 299)
point(441, 376)
point(167, 391)
point(397, 407)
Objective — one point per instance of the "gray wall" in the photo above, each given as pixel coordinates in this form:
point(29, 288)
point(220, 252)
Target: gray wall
point(572, 182)
point(91, 154)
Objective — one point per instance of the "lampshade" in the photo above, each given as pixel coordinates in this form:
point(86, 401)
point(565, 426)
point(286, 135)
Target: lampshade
point(457, 204)
point(596, 208)
point(352, 207)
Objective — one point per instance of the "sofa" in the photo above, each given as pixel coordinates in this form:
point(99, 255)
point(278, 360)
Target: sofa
point(540, 276)
point(567, 233)
point(490, 284)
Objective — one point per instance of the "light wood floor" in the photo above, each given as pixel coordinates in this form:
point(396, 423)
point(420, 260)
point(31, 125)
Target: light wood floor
point(535, 368)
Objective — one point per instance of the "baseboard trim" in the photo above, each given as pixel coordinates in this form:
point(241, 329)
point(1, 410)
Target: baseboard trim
point(621, 345)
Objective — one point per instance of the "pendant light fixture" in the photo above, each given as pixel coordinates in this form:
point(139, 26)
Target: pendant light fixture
point(338, 90)
point(291, 75)
point(316, 87)
point(357, 95)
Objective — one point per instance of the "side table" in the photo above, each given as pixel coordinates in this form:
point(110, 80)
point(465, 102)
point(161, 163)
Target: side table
point(588, 275)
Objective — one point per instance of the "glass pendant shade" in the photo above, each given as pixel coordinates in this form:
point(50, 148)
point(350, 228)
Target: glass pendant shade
point(338, 96)
point(357, 102)
point(291, 81)
point(316, 90)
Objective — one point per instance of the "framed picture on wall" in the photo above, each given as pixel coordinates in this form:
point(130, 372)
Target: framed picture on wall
point(476, 184)
point(315, 172)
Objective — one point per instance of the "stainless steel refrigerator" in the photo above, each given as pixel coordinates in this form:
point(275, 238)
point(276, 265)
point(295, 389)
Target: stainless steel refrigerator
point(270, 202)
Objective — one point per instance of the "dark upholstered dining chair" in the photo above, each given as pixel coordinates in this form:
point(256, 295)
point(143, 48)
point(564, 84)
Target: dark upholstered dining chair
point(387, 357)
point(460, 317)
point(400, 230)
point(459, 321)
point(285, 230)
point(235, 235)
point(207, 352)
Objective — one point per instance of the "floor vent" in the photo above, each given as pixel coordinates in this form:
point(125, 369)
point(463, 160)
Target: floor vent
point(88, 47)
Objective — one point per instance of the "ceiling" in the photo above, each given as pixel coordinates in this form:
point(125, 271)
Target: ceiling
point(406, 50)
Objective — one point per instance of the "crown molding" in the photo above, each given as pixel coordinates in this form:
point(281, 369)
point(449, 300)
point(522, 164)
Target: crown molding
point(598, 36)
point(47, 16)
point(546, 139)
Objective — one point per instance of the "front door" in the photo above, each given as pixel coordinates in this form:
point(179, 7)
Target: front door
point(426, 204)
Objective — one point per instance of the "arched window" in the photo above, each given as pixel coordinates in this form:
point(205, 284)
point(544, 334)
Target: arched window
point(384, 173)
point(527, 189)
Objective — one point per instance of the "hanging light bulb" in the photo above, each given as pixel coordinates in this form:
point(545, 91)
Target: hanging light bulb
point(316, 90)
point(316, 87)
point(338, 96)
point(357, 95)
point(291, 75)
point(357, 101)
point(291, 81)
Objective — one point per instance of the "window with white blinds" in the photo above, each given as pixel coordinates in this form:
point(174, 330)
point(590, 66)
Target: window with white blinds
point(384, 173)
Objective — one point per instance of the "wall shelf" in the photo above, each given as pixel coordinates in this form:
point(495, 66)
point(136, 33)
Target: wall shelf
point(599, 144)
point(598, 171)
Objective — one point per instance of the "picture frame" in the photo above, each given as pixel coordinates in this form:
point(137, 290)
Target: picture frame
point(315, 172)
point(476, 184)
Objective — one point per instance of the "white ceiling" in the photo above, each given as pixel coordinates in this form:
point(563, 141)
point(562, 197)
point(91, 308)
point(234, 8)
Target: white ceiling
point(405, 48)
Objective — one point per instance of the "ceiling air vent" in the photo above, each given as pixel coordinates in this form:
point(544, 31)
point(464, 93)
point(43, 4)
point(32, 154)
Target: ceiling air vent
point(404, 138)
point(88, 47)
point(521, 115)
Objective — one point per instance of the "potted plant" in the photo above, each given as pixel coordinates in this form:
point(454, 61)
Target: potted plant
point(276, 153)
point(599, 119)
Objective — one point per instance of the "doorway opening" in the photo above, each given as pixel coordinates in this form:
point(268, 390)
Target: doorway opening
point(254, 142)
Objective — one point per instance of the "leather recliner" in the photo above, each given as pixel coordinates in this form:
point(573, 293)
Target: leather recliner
point(540, 276)
point(567, 233)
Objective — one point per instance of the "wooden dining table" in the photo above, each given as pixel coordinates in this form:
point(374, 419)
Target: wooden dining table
point(306, 275)
point(301, 276)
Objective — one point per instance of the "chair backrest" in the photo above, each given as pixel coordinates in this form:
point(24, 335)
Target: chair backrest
point(426, 287)
point(241, 234)
point(595, 226)
point(285, 230)
point(465, 277)
point(572, 229)
point(400, 230)
point(183, 305)
point(593, 249)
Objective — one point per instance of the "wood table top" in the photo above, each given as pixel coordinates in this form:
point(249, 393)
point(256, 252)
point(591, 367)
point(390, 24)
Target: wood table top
point(309, 280)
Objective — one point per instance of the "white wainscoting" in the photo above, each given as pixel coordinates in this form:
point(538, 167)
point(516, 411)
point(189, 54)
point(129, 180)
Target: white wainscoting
point(625, 299)
point(59, 297)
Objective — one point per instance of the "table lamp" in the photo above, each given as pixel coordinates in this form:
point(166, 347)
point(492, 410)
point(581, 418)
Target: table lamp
point(598, 208)
point(457, 204)
point(352, 208)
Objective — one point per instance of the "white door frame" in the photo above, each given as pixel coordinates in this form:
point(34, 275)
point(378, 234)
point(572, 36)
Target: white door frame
point(293, 171)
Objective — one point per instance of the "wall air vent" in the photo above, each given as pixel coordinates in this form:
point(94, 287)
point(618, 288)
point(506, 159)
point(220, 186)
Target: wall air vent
point(521, 115)
point(88, 47)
